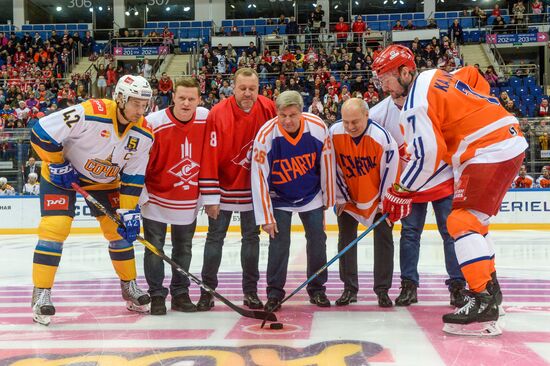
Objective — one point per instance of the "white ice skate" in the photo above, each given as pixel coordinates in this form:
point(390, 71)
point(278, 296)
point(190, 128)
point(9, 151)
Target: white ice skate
point(136, 299)
point(42, 306)
point(477, 318)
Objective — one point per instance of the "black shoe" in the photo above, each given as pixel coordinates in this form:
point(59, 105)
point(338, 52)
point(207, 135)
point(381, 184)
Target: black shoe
point(320, 299)
point(456, 290)
point(183, 303)
point(206, 302)
point(252, 301)
point(408, 294)
point(346, 298)
point(158, 306)
point(384, 300)
point(271, 305)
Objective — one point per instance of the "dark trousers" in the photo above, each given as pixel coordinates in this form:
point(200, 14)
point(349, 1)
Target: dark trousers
point(412, 227)
point(182, 238)
point(279, 247)
point(383, 254)
point(250, 249)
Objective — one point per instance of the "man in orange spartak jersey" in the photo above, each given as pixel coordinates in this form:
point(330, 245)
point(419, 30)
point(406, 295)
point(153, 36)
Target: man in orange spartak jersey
point(445, 119)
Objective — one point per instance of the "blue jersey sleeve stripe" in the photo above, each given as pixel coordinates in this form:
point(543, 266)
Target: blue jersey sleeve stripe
point(383, 182)
point(130, 190)
point(45, 145)
point(421, 161)
point(99, 119)
point(381, 129)
point(410, 99)
point(132, 179)
point(43, 135)
point(342, 188)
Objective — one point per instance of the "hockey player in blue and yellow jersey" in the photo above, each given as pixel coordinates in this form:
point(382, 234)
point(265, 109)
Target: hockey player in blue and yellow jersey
point(102, 145)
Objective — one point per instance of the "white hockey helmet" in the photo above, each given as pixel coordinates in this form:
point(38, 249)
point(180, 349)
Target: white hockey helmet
point(3, 181)
point(132, 86)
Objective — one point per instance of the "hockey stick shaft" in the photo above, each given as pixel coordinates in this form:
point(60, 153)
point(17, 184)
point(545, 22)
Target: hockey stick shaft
point(254, 314)
point(335, 258)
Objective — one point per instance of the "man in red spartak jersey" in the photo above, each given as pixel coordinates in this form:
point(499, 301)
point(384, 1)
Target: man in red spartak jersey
point(224, 182)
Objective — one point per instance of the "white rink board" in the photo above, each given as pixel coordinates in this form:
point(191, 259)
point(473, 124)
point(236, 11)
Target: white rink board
point(518, 207)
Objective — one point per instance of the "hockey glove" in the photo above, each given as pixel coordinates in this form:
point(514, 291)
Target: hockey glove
point(397, 203)
point(131, 220)
point(63, 175)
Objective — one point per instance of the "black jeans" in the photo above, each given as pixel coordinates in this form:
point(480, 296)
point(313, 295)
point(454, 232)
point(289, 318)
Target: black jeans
point(182, 238)
point(250, 250)
point(383, 254)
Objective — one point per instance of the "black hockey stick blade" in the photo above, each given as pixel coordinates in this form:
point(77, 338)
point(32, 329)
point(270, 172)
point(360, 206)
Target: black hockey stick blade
point(254, 314)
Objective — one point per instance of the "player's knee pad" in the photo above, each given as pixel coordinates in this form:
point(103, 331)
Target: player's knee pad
point(54, 228)
point(461, 222)
point(108, 227)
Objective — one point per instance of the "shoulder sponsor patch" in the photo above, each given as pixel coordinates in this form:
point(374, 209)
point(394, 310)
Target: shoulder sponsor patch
point(55, 202)
point(98, 106)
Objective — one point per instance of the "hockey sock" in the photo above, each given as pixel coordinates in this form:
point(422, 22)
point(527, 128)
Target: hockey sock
point(47, 256)
point(475, 259)
point(122, 257)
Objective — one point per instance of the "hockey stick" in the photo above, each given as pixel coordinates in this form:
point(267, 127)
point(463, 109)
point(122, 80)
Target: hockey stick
point(337, 256)
point(254, 314)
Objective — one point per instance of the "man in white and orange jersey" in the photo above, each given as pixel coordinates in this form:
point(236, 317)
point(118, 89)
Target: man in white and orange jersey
point(445, 119)
point(367, 161)
point(171, 193)
point(224, 182)
point(438, 191)
point(293, 171)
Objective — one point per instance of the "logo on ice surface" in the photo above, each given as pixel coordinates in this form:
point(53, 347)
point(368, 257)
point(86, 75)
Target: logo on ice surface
point(186, 169)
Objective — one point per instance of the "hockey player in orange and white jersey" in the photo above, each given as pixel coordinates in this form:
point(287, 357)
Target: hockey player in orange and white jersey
point(171, 192)
point(445, 119)
point(367, 161)
point(523, 180)
point(544, 180)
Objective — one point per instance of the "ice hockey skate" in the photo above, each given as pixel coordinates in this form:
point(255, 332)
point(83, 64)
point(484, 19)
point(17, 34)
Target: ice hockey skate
point(477, 318)
point(42, 306)
point(136, 299)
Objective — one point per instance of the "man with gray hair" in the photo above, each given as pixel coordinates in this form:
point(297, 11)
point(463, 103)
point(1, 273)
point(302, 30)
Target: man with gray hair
point(292, 171)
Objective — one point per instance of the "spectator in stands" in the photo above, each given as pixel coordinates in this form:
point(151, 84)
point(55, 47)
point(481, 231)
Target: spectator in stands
point(32, 187)
point(504, 98)
point(112, 78)
point(5, 188)
point(523, 180)
point(398, 27)
point(370, 93)
point(541, 130)
point(496, 11)
point(252, 31)
point(165, 89)
point(543, 181)
point(234, 31)
point(491, 76)
point(537, 7)
point(342, 29)
point(226, 89)
point(23, 111)
point(480, 16)
point(431, 24)
point(518, 10)
point(359, 27)
point(220, 32)
point(456, 32)
point(410, 25)
point(526, 129)
point(316, 18)
point(512, 108)
point(543, 109)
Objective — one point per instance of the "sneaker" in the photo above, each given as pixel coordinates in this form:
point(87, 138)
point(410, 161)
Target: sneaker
point(408, 294)
point(384, 300)
point(158, 305)
point(206, 302)
point(346, 298)
point(271, 305)
point(252, 300)
point(320, 299)
point(183, 303)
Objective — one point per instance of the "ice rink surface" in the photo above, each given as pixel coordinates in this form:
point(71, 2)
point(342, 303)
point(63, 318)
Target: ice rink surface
point(93, 327)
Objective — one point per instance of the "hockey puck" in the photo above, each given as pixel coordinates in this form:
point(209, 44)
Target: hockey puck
point(276, 326)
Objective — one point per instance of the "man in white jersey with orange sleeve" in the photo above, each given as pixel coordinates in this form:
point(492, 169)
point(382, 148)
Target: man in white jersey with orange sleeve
point(171, 194)
point(445, 119)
